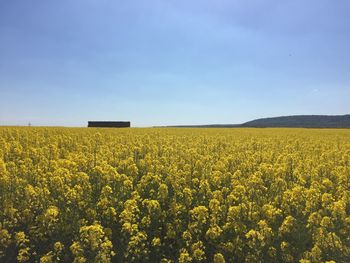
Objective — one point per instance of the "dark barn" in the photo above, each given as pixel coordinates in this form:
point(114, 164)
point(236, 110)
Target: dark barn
point(109, 124)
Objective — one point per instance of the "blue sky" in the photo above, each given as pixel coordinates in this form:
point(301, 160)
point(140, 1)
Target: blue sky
point(172, 62)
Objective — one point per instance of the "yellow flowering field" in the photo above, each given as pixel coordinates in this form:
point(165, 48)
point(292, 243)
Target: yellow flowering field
point(174, 195)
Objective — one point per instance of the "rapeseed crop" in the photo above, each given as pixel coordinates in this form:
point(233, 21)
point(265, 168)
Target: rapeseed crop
point(174, 195)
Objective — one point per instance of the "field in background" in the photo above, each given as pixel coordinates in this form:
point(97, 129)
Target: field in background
point(174, 195)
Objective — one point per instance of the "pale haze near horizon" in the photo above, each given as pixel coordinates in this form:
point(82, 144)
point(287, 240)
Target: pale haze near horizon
point(172, 62)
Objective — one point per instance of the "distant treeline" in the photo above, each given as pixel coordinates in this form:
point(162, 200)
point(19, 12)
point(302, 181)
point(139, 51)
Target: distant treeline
point(302, 121)
point(297, 121)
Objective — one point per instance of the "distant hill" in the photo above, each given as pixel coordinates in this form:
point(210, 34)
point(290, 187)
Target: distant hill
point(302, 121)
point(296, 121)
